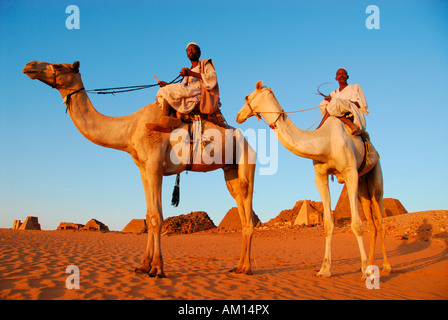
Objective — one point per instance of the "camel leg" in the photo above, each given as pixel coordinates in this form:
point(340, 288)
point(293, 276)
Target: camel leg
point(352, 180)
point(375, 183)
point(321, 181)
point(152, 182)
point(364, 197)
point(239, 181)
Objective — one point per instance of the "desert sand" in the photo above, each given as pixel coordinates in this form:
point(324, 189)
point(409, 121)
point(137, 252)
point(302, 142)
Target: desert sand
point(285, 261)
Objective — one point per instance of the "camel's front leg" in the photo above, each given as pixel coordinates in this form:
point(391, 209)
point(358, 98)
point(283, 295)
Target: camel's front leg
point(239, 181)
point(321, 181)
point(152, 182)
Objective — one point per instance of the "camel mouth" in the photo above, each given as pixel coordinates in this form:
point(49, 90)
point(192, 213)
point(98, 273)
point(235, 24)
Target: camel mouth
point(240, 118)
point(31, 70)
point(240, 121)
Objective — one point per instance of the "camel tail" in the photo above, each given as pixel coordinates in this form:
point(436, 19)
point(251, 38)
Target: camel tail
point(176, 192)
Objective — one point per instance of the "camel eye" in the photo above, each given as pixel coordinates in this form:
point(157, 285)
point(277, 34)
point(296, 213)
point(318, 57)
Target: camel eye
point(246, 98)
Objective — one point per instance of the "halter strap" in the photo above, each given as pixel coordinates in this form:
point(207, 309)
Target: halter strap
point(272, 125)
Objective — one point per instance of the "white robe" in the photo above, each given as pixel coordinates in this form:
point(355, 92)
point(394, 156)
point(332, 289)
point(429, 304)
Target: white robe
point(342, 103)
point(186, 95)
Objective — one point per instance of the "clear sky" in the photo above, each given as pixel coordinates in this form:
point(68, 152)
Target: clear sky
point(49, 170)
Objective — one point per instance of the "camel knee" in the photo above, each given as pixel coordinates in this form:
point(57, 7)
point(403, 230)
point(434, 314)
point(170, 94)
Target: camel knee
point(238, 187)
point(329, 227)
point(243, 187)
point(357, 226)
point(248, 230)
point(154, 221)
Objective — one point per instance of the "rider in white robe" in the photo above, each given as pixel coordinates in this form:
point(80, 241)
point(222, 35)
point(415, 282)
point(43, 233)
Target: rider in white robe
point(343, 102)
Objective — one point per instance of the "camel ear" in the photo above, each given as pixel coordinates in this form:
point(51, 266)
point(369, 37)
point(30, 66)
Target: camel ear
point(75, 66)
point(259, 85)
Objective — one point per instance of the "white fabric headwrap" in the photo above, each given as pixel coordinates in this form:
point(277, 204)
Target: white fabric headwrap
point(192, 43)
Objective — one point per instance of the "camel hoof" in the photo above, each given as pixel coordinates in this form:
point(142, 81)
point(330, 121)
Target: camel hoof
point(323, 274)
point(157, 276)
point(242, 271)
point(141, 270)
point(387, 270)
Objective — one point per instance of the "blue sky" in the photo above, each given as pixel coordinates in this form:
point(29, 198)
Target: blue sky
point(48, 169)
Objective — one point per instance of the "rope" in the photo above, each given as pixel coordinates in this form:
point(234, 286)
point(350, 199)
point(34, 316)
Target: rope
point(128, 88)
point(281, 112)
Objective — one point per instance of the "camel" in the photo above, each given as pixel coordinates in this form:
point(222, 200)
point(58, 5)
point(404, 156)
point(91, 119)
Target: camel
point(334, 150)
point(152, 152)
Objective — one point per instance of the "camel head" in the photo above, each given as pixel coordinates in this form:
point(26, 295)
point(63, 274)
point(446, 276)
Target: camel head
point(255, 102)
point(56, 75)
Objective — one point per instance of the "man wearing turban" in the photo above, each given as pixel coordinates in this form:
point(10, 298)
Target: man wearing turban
point(198, 90)
point(346, 103)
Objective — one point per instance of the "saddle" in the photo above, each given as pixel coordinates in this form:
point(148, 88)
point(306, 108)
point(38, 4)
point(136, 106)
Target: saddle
point(168, 123)
point(371, 156)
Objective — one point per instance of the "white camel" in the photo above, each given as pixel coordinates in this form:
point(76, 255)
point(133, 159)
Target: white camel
point(152, 152)
point(334, 150)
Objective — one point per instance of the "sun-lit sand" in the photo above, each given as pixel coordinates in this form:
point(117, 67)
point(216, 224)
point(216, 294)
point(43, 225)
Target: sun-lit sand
point(33, 264)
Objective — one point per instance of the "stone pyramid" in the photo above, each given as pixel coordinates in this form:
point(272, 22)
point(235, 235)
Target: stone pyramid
point(232, 220)
point(135, 226)
point(31, 223)
point(391, 207)
point(308, 215)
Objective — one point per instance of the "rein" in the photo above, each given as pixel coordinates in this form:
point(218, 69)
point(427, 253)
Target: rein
point(113, 90)
point(281, 114)
point(129, 88)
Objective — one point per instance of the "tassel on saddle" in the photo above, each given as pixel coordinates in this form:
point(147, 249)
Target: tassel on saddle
point(175, 200)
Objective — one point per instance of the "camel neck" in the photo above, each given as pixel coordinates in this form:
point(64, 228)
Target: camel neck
point(109, 132)
point(306, 144)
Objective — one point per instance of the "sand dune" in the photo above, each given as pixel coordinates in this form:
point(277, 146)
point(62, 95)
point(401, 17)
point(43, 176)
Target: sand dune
point(33, 264)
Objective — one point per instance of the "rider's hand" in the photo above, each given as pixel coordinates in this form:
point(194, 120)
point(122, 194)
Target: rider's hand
point(184, 72)
point(162, 84)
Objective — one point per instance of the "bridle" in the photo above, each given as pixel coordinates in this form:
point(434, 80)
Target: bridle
point(272, 125)
point(54, 85)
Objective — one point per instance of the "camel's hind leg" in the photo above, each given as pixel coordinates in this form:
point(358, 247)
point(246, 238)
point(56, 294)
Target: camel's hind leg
point(375, 187)
point(364, 197)
point(351, 182)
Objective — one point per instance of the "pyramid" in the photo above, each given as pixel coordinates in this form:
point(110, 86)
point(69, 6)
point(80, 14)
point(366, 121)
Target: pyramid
point(391, 207)
point(31, 223)
point(16, 224)
point(94, 224)
point(287, 217)
point(232, 220)
point(342, 209)
point(70, 226)
point(135, 226)
point(308, 215)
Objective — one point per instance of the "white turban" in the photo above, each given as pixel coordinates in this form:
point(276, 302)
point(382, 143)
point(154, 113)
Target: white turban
point(192, 43)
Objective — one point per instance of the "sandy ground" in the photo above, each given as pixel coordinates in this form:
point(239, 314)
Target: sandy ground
point(33, 264)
